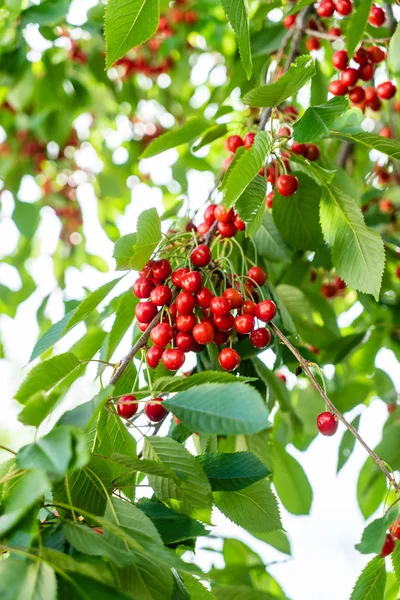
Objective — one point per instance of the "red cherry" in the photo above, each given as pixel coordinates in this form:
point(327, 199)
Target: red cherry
point(366, 72)
point(326, 8)
point(344, 7)
point(222, 215)
point(233, 143)
point(337, 88)
point(161, 269)
point(287, 185)
point(203, 228)
point(339, 283)
point(335, 32)
point(153, 356)
point(200, 256)
point(395, 527)
point(161, 295)
point(127, 406)
point(257, 274)
point(173, 359)
point(191, 17)
point(357, 94)
point(249, 307)
point(234, 297)
point(249, 139)
point(184, 341)
point(312, 152)
point(185, 303)
point(227, 230)
point(203, 297)
point(328, 290)
point(224, 323)
point(220, 306)
point(271, 175)
point(377, 16)
point(269, 201)
point(177, 276)
point(289, 21)
point(340, 60)
point(185, 322)
point(389, 545)
point(142, 287)
point(209, 216)
point(265, 310)
point(203, 333)
point(145, 312)
point(244, 323)
point(229, 359)
point(386, 132)
point(298, 148)
point(143, 326)
point(386, 90)
point(361, 56)
point(376, 54)
point(146, 271)
point(221, 337)
point(327, 423)
point(154, 411)
point(162, 334)
point(386, 206)
point(191, 281)
point(313, 43)
point(260, 338)
point(239, 223)
point(349, 76)
point(284, 131)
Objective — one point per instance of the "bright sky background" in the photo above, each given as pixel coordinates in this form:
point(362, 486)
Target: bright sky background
point(324, 565)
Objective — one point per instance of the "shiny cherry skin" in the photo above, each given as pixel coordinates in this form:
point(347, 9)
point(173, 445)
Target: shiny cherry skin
point(200, 256)
point(249, 307)
point(191, 282)
point(289, 21)
point(162, 334)
point(376, 54)
point(203, 228)
point(234, 296)
point(161, 295)
point(227, 230)
point(203, 297)
point(153, 356)
point(269, 201)
point(239, 223)
point(222, 215)
point(312, 152)
point(265, 310)
point(258, 275)
point(203, 333)
point(233, 143)
point(337, 88)
point(349, 76)
point(224, 322)
point(357, 94)
point(298, 148)
point(389, 545)
point(327, 423)
point(386, 90)
point(287, 185)
point(142, 287)
point(161, 269)
point(145, 312)
point(184, 341)
point(244, 323)
point(185, 322)
point(173, 358)
point(127, 406)
point(185, 303)
point(361, 56)
point(249, 139)
point(209, 216)
point(377, 16)
point(142, 326)
point(366, 72)
point(340, 60)
point(220, 306)
point(229, 359)
point(260, 338)
point(177, 276)
point(326, 9)
point(154, 411)
point(344, 7)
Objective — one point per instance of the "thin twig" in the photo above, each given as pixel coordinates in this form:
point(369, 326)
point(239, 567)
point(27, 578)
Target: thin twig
point(346, 150)
point(306, 368)
point(333, 38)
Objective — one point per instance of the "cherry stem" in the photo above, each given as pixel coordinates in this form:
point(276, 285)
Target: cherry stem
point(305, 365)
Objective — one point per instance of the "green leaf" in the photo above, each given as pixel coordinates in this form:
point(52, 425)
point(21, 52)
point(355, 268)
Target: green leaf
point(232, 471)
point(51, 453)
point(124, 317)
point(23, 495)
point(132, 251)
point(84, 415)
point(371, 488)
point(291, 483)
point(210, 135)
point(129, 24)
point(297, 217)
point(220, 409)
point(347, 444)
point(170, 385)
point(192, 495)
point(251, 205)
point(395, 556)
point(276, 539)
point(150, 467)
point(196, 589)
point(269, 242)
point(300, 5)
point(21, 580)
point(188, 132)
point(357, 24)
point(371, 583)
point(255, 508)
point(394, 50)
point(241, 592)
point(49, 13)
point(357, 251)
point(26, 217)
point(171, 525)
point(316, 121)
point(45, 375)
point(237, 13)
point(90, 542)
point(88, 568)
point(285, 87)
point(372, 141)
point(374, 534)
point(247, 167)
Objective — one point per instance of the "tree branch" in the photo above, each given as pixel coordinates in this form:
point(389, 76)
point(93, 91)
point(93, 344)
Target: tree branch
point(333, 38)
point(305, 365)
point(346, 150)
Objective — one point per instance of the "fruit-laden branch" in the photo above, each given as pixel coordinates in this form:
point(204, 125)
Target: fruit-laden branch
point(305, 365)
point(333, 38)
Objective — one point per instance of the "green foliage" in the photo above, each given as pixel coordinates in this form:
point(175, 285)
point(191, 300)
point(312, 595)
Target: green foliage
point(45, 375)
point(394, 51)
point(237, 13)
point(374, 534)
point(190, 131)
point(132, 251)
point(232, 471)
point(291, 482)
point(371, 583)
point(357, 24)
point(316, 121)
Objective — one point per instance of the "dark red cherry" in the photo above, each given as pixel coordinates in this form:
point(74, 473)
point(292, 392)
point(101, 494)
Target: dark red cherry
point(260, 338)
point(127, 406)
point(177, 276)
point(185, 341)
point(340, 60)
point(287, 185)
point(249, 307)
point(142, 287)
point(209, 216)
point(227, 230)
point(258, 275)
point(161, 269)
point(154, 411)
point(224, 322)
point(349, 76)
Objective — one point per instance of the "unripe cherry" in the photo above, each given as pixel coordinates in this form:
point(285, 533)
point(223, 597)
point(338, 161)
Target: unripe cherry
point(153, 356)
point(203, 298)
point(162, 334)
point(349, 76)
point(389, 545)
point(327, 423)
point(265, 310)
point(127, 406)
point(337, 88)
point(185, 303)
point(173, 358)
point(203, 333)
point(229, 359)
point(377, 16)
point(234, 296)
point(227, 230)
point(191, 281)
point(220, 306)
point(344, 7)
point(287, 185)
point(249, 139)
point(326, 8)
point(177, 276)
point(161, 295)
point(386, 90)
point(233, 143)
point(154, 411)
point(244, 323)
point(161, 269)
point(222, 215)
point(142, 287)
point(340, 60)
point(200, 256)
point(209, 216)
point(260, 338)
point(257, 274)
